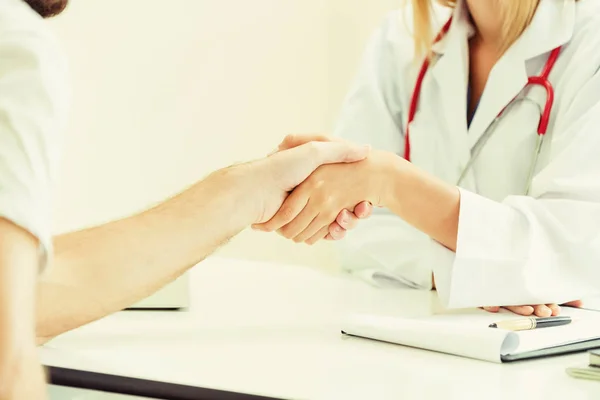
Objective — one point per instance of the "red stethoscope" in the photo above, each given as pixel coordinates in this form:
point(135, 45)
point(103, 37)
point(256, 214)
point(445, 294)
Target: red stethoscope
point(540, 80)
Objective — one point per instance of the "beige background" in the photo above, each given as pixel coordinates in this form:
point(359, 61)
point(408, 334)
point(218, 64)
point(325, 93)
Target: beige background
point(166, 91)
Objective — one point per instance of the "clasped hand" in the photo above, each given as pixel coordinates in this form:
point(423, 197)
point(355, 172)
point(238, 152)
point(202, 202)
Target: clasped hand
point(311, 212)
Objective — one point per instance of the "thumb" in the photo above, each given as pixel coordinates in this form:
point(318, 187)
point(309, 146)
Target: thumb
point(338, 152)
point(291, 141)
point(293, 166)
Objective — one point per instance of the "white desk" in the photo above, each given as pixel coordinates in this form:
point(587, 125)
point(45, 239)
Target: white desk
point(274, 330)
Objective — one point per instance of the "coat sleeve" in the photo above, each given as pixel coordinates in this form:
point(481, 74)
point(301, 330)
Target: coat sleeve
point(33, 103)
point(538, 249)
point(382, 248)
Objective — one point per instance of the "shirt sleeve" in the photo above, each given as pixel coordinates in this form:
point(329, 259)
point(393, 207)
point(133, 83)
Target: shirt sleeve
point(538, 249)
point(382, 249)
point(33, 108)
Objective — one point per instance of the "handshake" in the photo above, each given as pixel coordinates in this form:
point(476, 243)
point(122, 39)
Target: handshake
point(314, 187)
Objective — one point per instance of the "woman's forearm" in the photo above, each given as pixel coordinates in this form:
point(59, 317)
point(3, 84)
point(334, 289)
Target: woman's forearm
point(424, 201)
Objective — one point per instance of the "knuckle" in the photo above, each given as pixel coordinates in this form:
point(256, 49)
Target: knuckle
point(341, 219)
point(291, 138)
point(285, 232)
point(328, 199)
point(330, 216)
point(286, 213)
point(268, 227)
point(351, 225)
point(345, 223)
point(314, 148)
point(335, 227)
point(317, 184)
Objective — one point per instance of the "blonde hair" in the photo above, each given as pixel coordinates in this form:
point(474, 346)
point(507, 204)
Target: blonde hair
point(516, 14)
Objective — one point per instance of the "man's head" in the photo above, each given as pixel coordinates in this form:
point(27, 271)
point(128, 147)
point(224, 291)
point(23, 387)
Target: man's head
point(48, 8)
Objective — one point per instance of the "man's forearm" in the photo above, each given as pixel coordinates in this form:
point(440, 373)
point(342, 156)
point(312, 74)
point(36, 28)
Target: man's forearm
point(105, 269)
point(20, 373)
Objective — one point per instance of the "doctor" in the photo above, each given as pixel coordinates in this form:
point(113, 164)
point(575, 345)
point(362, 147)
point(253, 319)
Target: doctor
point(486, 169)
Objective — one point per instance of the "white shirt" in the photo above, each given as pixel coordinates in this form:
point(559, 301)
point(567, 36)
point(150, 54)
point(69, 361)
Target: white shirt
point(512, 248)
point(33, 111)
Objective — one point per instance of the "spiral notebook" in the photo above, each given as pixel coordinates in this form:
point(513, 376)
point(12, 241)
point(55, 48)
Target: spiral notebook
point(467, 334)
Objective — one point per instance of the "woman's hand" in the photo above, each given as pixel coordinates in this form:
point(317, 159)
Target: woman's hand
point(314, 205)
point(345, 221)
point(541, 310)
point(347, 218)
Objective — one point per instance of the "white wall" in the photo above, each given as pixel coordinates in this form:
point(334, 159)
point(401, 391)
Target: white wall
point(166, 91)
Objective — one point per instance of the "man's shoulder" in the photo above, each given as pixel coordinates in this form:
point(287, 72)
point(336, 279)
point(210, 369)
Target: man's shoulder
point(20, 24)
point(27, 41)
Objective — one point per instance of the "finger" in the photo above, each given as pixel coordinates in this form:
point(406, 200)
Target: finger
point(336, 152)
point(328, 237)
point(320, 222)
point(291, 141)
point(576, 304)
point(336, 231)
point(492, 309)
point(295, 165)
point(300, 223)
point(291, 207)
point(521, 310)
point(322, 234)
point(542, 310)
point(363, 210)
point(346, 220)
point(555, 308)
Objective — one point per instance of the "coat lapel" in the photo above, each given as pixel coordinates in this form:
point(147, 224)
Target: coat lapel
point(450, 71)
point(505, 82)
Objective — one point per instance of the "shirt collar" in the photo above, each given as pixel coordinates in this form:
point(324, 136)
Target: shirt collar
point(552, 26)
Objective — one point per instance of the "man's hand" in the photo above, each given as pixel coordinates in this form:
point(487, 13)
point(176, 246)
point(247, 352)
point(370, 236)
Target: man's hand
point(308, 212)
point(88, 279)
point(274, 177)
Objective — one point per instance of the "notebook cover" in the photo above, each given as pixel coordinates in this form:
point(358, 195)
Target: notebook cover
point(567, 348)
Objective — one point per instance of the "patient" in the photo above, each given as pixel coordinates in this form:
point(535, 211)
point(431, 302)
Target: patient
point(100, 270)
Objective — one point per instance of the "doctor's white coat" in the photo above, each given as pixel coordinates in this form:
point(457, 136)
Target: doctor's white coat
point(512, 249)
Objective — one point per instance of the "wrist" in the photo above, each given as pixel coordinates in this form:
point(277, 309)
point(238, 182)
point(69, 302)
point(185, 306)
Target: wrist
point(424, 201)
point(234, 187)
point(393, 173)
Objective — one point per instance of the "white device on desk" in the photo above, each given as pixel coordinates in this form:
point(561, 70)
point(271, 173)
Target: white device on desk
point(174, 296)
